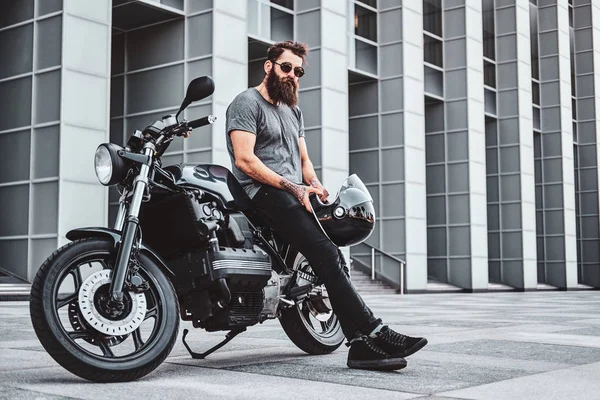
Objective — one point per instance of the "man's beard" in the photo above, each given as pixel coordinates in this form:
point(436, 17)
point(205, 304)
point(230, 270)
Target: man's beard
point(282, 90)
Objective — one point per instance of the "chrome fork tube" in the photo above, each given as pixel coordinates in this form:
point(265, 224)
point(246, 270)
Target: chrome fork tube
point(130, 226)
point(120, 220)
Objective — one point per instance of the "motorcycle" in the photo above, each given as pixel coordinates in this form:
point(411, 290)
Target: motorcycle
point(186, 245)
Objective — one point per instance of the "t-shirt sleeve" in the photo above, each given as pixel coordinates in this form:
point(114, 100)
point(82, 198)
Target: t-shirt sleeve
point(242, 114)
point(301, 122)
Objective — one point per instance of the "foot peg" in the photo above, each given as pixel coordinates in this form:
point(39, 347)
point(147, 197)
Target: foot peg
point(233, 333)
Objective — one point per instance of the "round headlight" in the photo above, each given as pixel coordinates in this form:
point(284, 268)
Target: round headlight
point(103, 165)
point(110, 167)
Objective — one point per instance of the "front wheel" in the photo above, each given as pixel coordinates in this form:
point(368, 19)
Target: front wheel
point(311, 324)
point(73, 321)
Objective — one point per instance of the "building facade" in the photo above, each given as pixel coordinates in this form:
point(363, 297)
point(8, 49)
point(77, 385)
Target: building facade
point(472, 122)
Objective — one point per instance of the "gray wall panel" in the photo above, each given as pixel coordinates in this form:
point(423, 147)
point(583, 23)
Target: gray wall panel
point(199, 31)
point(45, 208)
point(14, 164)
point(19, 108)
point(13, 256)
point(49, 42)
point(44, 7)
point(47, 88)
point(14, 210)
point(45, 152)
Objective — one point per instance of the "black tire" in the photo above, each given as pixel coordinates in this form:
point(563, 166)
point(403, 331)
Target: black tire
point(294, 322)
point(74, 357)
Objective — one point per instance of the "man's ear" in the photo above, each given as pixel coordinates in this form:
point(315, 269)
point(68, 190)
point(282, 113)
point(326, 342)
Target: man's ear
point(267, 66)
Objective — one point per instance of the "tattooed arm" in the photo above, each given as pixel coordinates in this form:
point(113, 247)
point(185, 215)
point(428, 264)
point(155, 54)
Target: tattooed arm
point(246, 160)
point(308, 171)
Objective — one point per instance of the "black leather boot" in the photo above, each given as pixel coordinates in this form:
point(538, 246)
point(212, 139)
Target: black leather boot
point(365, 354)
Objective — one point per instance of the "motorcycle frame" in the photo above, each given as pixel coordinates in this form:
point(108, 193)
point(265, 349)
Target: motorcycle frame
point(128, 224)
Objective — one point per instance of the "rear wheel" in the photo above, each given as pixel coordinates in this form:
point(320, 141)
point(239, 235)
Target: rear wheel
point(77, 327)
point(311, 324)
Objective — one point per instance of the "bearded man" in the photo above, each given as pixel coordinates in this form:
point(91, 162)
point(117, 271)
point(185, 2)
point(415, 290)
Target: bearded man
point(267, 147)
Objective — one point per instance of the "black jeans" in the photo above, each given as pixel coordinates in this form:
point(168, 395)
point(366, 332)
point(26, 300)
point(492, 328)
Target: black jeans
point(283, 213)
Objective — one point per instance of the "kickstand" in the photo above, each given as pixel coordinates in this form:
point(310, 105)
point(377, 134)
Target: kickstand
point(233, 333)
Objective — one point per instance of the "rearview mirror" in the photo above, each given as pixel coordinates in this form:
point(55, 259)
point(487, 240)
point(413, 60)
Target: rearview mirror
point(198, 89)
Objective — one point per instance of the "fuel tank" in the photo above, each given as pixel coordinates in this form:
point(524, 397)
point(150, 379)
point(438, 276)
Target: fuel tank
point(214, 179)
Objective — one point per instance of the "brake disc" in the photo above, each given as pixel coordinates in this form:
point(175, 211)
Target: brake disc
point(89, 303)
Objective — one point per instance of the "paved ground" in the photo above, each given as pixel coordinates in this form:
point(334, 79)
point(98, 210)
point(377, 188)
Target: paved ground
point(539, 345)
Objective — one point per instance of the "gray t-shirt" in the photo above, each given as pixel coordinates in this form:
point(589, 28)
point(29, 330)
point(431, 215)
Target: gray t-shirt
point(277, 130)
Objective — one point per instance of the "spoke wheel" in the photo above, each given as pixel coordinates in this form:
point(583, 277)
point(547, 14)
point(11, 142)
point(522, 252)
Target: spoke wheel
point(76, 324)
point(311, 324)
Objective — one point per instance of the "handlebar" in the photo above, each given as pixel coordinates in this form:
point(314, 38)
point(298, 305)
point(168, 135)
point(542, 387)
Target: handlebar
point(185, 126)
point(164, 138)
point(197, 123)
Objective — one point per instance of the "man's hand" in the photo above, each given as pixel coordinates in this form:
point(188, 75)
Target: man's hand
point(301, 192)
point(324, 193)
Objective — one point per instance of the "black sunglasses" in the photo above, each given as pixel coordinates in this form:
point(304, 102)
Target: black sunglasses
point(286, 67)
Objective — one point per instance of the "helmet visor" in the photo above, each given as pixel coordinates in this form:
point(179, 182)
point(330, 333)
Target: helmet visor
point(353, 181)
point(358, 193)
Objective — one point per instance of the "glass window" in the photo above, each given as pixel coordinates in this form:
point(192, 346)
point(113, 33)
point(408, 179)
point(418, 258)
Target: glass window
point(489, 45)
point(371, 3)
point(432, 16)
point(289, 4)
point(433, 52)
point(572, 45)
point(14, 12)
point(365, 23)
point(19, 106)
point(366, 57)
point(271, 23)
point(533, 25)
point(571, 24)
point(535, 92)
point(490, 102)
point(489, 74)
point(16, 47)
point(434, 81)
point(282, 25)
point(536, 118)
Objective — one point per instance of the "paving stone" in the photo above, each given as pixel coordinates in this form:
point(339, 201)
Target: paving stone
point(581, 383)
point(23, 394)
point(591, 331)
point(522, 351)
point(420, 376)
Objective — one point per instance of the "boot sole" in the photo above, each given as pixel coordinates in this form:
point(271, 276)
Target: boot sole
point(388, 364)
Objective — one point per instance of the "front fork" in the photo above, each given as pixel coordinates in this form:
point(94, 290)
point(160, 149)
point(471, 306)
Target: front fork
point(128, 222)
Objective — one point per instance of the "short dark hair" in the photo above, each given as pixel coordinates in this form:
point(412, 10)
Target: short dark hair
point(298, 48)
